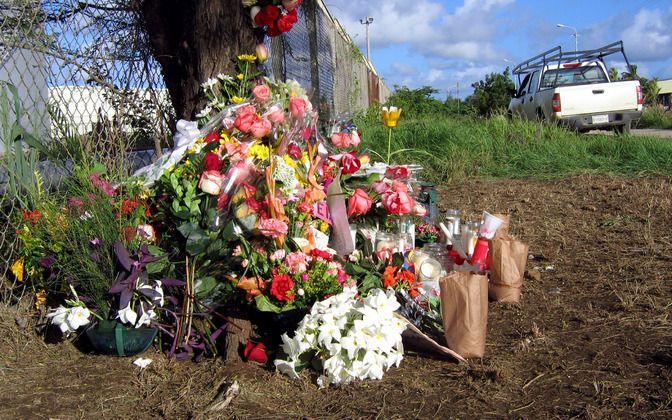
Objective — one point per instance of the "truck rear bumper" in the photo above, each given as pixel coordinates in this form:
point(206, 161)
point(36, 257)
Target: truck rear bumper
point(598, 121)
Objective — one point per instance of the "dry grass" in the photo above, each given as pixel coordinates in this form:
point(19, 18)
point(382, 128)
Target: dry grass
point(592, 337)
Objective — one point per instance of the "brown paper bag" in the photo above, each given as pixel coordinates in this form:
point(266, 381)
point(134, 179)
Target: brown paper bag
point(508, 258)
point(503, 230)
point(464, 306)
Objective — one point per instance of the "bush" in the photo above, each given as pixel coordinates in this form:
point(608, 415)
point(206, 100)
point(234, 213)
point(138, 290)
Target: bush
point(655, 117)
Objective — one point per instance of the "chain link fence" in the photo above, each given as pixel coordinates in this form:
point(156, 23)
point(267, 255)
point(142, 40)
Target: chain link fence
point(83, 72)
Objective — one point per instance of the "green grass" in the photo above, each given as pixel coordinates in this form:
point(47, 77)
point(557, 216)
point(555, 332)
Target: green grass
point(451, 149)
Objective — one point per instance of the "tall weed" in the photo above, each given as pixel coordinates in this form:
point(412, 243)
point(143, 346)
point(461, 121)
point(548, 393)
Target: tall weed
point(456, 148)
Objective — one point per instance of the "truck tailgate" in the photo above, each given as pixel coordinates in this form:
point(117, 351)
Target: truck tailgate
point(598, 98)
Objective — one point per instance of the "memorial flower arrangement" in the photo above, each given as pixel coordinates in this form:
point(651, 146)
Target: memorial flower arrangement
point(251, 209)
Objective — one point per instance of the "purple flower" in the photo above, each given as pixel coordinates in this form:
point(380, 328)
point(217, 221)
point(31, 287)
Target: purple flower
point(95, 242)
point(47, 261)
point(94, 256)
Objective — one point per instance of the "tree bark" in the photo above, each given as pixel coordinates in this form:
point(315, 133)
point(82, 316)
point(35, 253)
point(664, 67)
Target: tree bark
point(195, 40)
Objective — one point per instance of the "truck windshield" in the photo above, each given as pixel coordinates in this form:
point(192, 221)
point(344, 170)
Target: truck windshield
point(573, 76)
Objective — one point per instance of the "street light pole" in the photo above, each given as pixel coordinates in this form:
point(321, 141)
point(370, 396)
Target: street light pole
point(576, 35)
point(367, 22)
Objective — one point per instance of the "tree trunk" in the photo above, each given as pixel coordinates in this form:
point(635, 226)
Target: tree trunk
point(195, 40)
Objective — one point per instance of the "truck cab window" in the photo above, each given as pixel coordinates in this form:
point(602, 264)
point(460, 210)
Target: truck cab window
point(523, 86)
point(534, 82)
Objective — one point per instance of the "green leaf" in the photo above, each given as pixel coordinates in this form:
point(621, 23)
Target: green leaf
point(197, 238)
point(265, 305)
point(205, 286)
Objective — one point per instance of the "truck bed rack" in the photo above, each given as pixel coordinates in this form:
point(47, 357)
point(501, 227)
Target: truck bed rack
point(557, 56)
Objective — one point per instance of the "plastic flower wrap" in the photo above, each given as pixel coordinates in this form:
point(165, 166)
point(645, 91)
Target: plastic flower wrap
point(350, 338)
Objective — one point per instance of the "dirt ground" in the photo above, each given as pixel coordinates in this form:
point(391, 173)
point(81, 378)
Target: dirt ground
point(592, 337)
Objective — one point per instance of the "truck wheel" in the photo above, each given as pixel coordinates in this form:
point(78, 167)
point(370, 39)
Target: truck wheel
point(623, 129)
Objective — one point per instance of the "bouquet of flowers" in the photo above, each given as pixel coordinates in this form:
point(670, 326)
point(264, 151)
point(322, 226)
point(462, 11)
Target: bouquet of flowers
point(347, 337)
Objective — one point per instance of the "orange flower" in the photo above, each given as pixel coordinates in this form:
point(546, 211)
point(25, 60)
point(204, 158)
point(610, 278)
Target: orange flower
point(253, 286)
point(389, 277)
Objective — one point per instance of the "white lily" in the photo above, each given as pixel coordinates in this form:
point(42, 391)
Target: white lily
point(127, 315)
point(286, 367)
point(142, 362)
point(58, 317)
point(78, 317)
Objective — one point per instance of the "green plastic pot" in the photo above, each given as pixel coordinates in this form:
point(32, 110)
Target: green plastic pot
point(115, 339)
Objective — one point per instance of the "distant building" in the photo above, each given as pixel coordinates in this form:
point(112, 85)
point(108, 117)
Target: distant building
point(665, 93)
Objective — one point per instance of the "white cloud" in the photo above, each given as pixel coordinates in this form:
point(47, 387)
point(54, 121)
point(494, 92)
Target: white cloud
point(426, 26)
point(649, 36)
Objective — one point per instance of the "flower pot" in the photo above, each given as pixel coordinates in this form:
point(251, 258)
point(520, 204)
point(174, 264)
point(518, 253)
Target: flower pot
point(112, 338)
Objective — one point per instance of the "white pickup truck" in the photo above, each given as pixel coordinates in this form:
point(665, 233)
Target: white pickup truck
point(573, 88)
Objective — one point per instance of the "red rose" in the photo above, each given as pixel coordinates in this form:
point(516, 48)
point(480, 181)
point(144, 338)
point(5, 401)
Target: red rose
point(267, 16)
point(398, 202)
point(255, 352)
point(294, 151)
point(272, 30)
point(212, 162)
point(350, 163)
point(213, 136)
point(359, 203)
point(318, 253)
point(287, 20)
point(281, 288)
point(397, 172)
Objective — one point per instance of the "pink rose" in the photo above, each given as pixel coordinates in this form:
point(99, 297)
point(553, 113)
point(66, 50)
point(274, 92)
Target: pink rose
point(397, 172)
point(297, 107)
point(211, 182)
point(146, 232)
point(272, 228)
point(245, 110)
point(260, 128)
point(354, 139)
point(399, 187)
point(244, 122)
point(359, 203)
point(380, 187)
point(398, 202)
point(341, 140)
point(349, 163)
point(261, 93)
point(275, 114)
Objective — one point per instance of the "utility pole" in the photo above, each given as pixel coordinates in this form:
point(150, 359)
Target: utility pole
point(367, 22)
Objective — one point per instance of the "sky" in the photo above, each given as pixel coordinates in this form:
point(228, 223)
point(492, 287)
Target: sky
point(451, 44)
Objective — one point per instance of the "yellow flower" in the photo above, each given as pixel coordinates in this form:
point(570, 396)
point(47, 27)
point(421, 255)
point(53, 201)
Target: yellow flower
point(324, 227)
point(250, 58)
point(17, 269)
point(259, 151)
point(391, 116)
point(240, 76)
point(40, 299)
point(237, 99)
